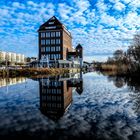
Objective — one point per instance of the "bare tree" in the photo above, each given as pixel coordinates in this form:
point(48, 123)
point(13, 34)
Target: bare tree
point(134, 50)
point(118, 54)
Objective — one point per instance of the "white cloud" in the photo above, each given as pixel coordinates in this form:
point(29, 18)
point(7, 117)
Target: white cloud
point(99, 32)
point(31, 3)
point(114, 1)
point(4, 12)
point(119, 6)
point(109, 20)
point(18, 5)
point(64, 10)
point(135, 3)
point(126, 1)
point(101, 6)
point(82, 5)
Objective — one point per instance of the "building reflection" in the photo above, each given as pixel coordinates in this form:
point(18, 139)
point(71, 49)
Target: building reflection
point(11, 81)
point(56, 93)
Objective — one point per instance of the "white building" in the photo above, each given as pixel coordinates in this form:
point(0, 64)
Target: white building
point(11, 57)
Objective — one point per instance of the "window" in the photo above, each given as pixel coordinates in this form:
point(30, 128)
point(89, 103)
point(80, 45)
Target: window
point(56, 56)
point(57, 34)
point(59, 83)
point(49, 56)
point(57, 48)
point(52, 41)
point(59, 56)
point(42, 49)
point(52, 34)
point(42, 35)
point(42, 42)
point(47, 34)
point(42, 56)
point(48, 49)
point(47, 41)
point(57, 41)
point(52, 49)
point(53, 56)
point(51, 23)
point(59, 91)
point(51, 27)
point(52, 83)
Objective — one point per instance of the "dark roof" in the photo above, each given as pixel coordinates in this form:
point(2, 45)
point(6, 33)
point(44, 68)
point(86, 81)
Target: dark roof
point(79, 91)
point(79, 46)
point(55, 22)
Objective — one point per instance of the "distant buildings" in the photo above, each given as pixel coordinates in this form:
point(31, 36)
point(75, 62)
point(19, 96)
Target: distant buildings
point(55, 46)
point(11, 58)
point(11, 81)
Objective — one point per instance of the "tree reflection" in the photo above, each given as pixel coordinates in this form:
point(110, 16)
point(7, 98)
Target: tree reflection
point(133, 84)
point(117, 81)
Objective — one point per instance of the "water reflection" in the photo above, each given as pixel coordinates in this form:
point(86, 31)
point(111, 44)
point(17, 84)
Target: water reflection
point(133, 84)
point(102, 111)
point(119, 82)
point(11, 81)
point(56, 93)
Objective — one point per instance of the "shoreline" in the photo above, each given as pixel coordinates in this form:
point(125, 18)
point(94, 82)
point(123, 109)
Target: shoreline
point(29, 72)
point(118, 73)
point(117, 70)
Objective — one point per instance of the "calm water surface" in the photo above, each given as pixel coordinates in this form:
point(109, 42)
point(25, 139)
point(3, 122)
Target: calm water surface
point(89, 106)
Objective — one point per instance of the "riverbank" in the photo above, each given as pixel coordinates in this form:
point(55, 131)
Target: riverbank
point(117, 70)
point(112, 67)
point(29, 72)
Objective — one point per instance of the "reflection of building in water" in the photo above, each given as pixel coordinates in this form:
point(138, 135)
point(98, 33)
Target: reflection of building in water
point(11, 81)
point(77, 83)
point(56, 94)
point(55, 97)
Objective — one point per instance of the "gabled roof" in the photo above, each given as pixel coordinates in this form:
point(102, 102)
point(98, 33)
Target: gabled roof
point(79, 91)
point(79, 46)
point(53, 21)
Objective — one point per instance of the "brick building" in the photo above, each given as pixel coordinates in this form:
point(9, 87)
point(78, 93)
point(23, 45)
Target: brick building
point(55, 42)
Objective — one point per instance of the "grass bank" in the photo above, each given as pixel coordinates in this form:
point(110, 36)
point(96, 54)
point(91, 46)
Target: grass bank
point(29, 72)
point(113, 67)
point(120, 70)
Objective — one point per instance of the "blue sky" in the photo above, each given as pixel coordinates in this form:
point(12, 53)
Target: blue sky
point(101, 26)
